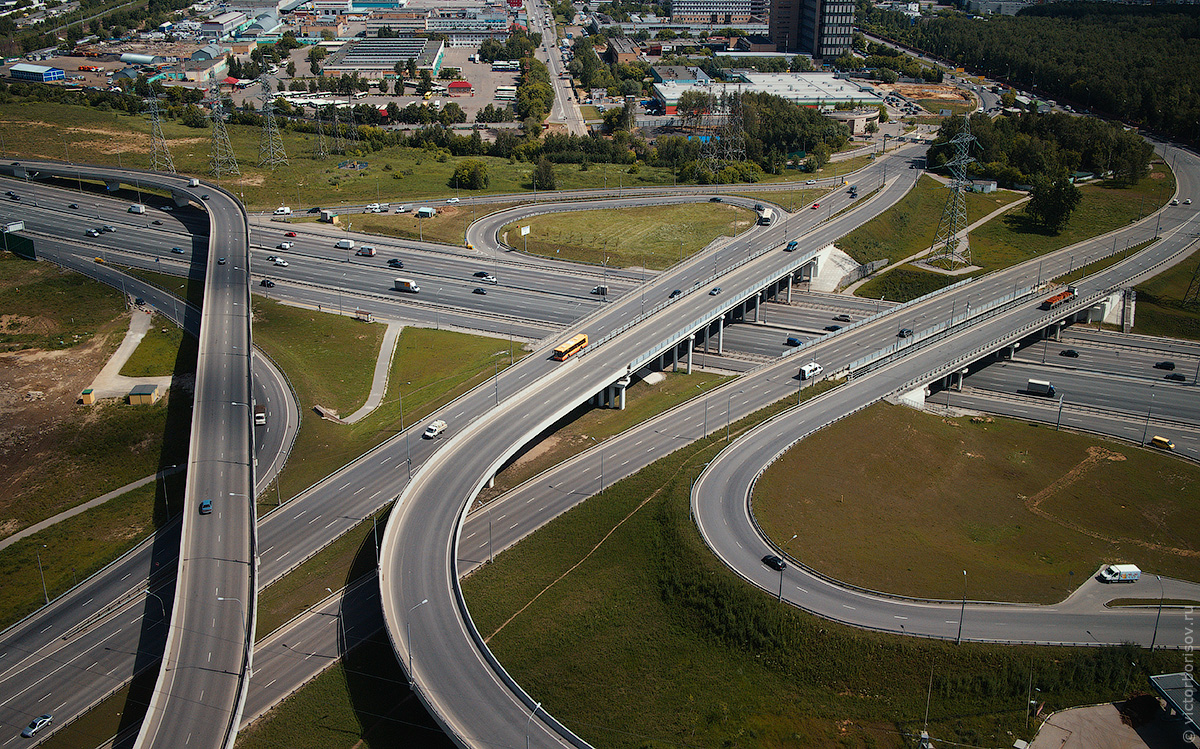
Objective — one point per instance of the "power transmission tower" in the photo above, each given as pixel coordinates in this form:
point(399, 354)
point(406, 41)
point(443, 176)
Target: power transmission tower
point(353, 123)
point(1192, 297)
point(221, 161)
point(270, 148)
point(322, 145)
point(160, 155)
point(338, 146)
point(951, 247)
point(726, 144)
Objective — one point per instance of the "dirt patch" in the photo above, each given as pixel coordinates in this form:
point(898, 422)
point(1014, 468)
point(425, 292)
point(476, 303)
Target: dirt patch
point(23, 324)
point(928, 91)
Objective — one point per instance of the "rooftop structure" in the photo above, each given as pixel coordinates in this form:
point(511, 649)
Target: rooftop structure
point(373, 58)
point(821, 90)
point(25, 72)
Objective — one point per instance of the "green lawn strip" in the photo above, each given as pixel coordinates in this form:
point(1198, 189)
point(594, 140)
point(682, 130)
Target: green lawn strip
point(449, 226)
point(572, 435)
point(363, 700)
point(334, 567)
point(957, 107)
point(186, 288)
point(75, 548)
point(791, 200)
point(669, 647)
point(1014, 238)
point(1103, 263)
point(164, 350)
point(969, 509)
point(429, 369)
point(123, 710)
point(911, 225)
point(904, 284)
point(1149, 602)
point(53, 308)
point(1161, 310)
point(652, 237)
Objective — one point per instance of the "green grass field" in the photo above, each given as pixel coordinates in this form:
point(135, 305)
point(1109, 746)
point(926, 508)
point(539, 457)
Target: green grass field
point(161, 351)
point(668, 647)
point(984, 503)
point(449, 226)
point(654, 237)
point(49, 308)
point(1161, 307)
point(330, 361)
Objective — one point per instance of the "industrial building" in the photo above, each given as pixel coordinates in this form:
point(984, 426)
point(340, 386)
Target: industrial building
point(23, 71)
point(717, 11)
point(818, 90)
point(621, 49)
point(374, 58)
point(821, 28)
point(223, 25)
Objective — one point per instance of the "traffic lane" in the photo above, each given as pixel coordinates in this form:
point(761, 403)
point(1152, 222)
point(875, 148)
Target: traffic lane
point(1166, 348)
point(1091, 419)
point(1131, 393)
point(1134, 357)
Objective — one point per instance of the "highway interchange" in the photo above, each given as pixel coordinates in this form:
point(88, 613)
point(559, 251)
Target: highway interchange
point(389, 484)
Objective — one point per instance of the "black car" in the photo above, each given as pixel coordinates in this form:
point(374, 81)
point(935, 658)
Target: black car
point(267, 282)
point(1176, 377)
point(73, 206)
point(177, 250)
point(774, 562)
point(759, 207)
point(220, 261)
point(714, 200)
point(479, 290)
point(1168, 365)
point(674, 293)
point(482, 274)
point(156, 222)
point(204, 196)
point(905, 333)
point(395, 263)
point(314, 209)
point(1070, 353)
point(833, 328)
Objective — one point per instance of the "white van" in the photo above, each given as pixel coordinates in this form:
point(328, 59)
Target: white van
point(434, 429)
point(371, 208)
point(810, 370)
point(345, 244)
point(193, 182)
point(283, 210)
point(137, 208)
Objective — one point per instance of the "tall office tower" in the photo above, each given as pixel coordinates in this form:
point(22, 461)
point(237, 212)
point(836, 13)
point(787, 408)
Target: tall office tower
point(821, 28)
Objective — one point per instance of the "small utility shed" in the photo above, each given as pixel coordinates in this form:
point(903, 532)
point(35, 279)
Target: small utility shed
point(144, 395)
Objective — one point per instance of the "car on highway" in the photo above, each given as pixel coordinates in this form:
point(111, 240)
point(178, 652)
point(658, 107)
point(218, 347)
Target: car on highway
point(220, 261)
point(156, 222)
point(290, 234)
point(479, 290)
point(206, 507)
point(452, 200)
point(833, 328)
point(481, 274)
point(395, 263)
point(1174, 201)
point(285, 245)
point(843, 318)
point(1176, 377)
point(14, 195)
point(815, 206)
point(267, 283)
point(810, 182)
point(488, 278)
point(1070, 353)
point(793, 341)
point(774, 563)
point(272, 258)
point(108, 227)
point(281, 262)
point(714, 200)
point(1187, 201)
point(675, 293)
point(905, 333)
point(73, 206)
point(177, 250)
point(93, 232)
point(166, 208)
point(714, 291)
point(36, 725)
point(759, 207)
point(1169, 365)
point(11, 194)
point(138, 301)
point(204, 196)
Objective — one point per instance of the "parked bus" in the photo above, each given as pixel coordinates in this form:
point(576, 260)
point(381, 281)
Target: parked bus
point(571, 347)
point(1060, 298)
point(766, 217)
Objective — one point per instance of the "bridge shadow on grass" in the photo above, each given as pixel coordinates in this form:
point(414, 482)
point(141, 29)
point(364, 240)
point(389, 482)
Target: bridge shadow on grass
point(388, 712)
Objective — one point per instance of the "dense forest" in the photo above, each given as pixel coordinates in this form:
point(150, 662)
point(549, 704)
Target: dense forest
point(1138, 63)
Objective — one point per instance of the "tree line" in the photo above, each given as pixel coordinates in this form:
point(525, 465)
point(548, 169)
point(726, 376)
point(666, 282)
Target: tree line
point(1137, 63)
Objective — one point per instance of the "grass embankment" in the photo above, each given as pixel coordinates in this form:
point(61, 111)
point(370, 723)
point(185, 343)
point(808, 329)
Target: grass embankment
point(363, 700)
point(52, 309)
point(187, 288)
point(330, 361)
point(1013, 238)
point(1028, 511)
point(789, 199)
point(160, 350)
point(653, 237)
point(1161, 309)
point(1103, 263)
point(121, 711)
point(449, 226)
point(717, 663)
point(573, 434)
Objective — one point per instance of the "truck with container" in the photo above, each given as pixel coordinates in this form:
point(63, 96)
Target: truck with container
point(1120, 573)
point(406, 284)
point(1039, 387)
point(435, 429)
point(345, 244)
point(260, 415)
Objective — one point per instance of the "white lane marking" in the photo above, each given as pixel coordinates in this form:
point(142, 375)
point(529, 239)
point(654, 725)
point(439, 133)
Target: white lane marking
point(343, 486)
point(381, 463)
point(376, 494)
point(268, 550)
point(514, 525)
point(315, 519)
point(847, 606)
point(360, 489)
point(900, 617)
point(802, 590)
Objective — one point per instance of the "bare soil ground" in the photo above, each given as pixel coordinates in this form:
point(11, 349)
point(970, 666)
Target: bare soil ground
point(928, 91)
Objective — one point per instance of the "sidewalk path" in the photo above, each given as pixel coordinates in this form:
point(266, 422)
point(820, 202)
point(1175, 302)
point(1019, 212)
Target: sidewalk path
point(383, 367)
point(110, 383)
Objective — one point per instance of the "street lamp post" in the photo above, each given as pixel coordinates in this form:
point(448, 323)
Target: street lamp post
point(45, 593)
point(1149, 408)
point(783, 567)
point(242, 611)
point(408, 636)
point(162, 478)
point(1154, 640)
point(962, 612)
point(161, 606)
point(530, 720)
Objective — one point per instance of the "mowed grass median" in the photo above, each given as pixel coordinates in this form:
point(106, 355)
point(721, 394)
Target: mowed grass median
point(1028, 511)
point(654, 237)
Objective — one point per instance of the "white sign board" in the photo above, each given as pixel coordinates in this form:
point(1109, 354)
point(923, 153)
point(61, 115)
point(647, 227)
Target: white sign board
point(524, 230)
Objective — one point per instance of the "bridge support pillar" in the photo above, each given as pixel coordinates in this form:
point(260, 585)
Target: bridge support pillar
point(675, 358)
point(760, 312)
point(491, 481)
point(720, 335)
point(791, 279)
point(691, 344)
